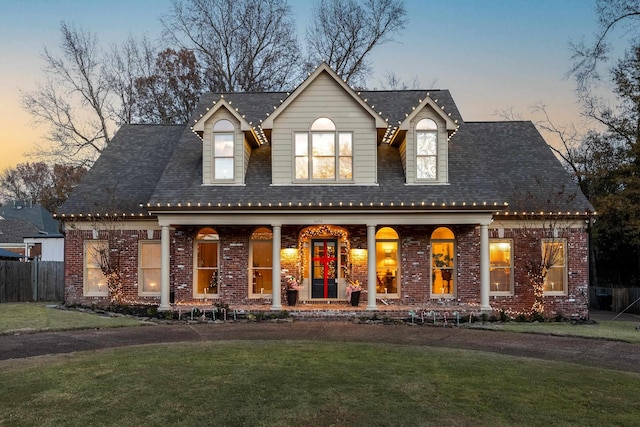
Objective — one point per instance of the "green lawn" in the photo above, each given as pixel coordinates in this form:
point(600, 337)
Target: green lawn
point(29, 317)
point(291, 383)
point(607, 329)
point(309, 384)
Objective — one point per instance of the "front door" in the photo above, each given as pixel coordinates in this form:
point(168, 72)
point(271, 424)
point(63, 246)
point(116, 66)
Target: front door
point(324, 268)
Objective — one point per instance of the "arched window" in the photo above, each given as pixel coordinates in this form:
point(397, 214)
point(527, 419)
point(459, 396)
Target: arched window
point(223, 149)
point(260, 270)
point(443, 277)
point(387, 261)
point(323, 153)
point(426, 149)
point(206, 263)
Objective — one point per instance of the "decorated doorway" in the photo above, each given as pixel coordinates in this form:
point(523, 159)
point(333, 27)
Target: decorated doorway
point(324, 268)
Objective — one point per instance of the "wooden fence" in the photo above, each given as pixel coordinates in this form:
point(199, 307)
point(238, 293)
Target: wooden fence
point(616, 299)
point(31, 281)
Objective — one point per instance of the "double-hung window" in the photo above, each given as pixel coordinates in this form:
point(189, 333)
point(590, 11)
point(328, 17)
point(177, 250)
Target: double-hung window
point(426, 150)
point(323, 153)
point(554, 260)
point(95, 253)
point(501, 267)
point(149, 266)
point(223, 148)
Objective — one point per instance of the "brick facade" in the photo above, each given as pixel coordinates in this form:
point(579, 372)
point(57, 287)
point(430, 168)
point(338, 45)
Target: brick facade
point(415, 266)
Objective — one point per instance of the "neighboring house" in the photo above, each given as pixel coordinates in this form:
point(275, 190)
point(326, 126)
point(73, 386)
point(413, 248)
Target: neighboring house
point(6, 255)
point(31, 231)
point(390, 188)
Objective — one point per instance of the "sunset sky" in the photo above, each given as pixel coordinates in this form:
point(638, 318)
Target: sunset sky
point(491, 54)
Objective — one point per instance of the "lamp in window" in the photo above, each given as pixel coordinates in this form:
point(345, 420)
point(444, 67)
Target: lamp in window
point(388, 260)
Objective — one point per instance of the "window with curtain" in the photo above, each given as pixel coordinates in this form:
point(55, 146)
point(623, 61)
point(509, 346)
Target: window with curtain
point(426, 149)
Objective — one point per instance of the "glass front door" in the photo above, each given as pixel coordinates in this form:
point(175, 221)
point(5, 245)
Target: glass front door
point(324, 269)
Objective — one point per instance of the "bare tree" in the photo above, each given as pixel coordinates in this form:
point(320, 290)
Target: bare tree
point(244, 45)
point(27, 182)
point(132, 60)
point(109, 242)
point(107, 254)
point(40, 183)
point(345, 32)
point(72, 101)
point(170, 93)
point(612, 14)
point(544, 227)
point(391, 81)
point(11, 186)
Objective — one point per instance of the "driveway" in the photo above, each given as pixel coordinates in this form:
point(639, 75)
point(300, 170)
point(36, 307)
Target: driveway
point(590, 352)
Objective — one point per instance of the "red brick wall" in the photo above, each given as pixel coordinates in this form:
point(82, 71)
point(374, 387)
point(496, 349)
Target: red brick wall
point(415, 266)
point(124, 245)
point(527, 247)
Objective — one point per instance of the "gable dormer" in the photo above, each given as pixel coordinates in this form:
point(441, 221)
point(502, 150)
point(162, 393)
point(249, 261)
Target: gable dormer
point(425, 148)
point(227, 140)
point(324, 134)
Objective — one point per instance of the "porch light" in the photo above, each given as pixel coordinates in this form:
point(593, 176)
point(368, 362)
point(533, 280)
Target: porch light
point(288, 254)
point(358, 255)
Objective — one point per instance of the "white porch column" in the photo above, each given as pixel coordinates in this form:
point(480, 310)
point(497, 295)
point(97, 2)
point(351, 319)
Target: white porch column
point(164, 269)
point(371, 267)
point(484, 268)
point(275, 265)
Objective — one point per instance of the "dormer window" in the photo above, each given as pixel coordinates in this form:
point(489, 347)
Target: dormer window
point(223, 144)
point(323, 153)
point(426, 149)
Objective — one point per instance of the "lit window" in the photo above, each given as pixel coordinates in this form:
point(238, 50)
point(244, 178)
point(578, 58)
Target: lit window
point(443, 281)
point(426, 149)
point(323, 154)
point(223, 147)
point(500, 267)
point(149, 262)
point(207, 274)
point(387, 257)
point(95, 282)
point(260, 271)
point(553, 257)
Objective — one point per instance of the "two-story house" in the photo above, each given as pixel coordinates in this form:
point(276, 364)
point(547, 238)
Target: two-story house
point(328, 184)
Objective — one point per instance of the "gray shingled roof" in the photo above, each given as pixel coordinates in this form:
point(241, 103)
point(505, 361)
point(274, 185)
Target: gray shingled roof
point(6, 255)
point(41, 219)
point(489, 162)
point(126, 173)
point(393, 104)
point(14, 230)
